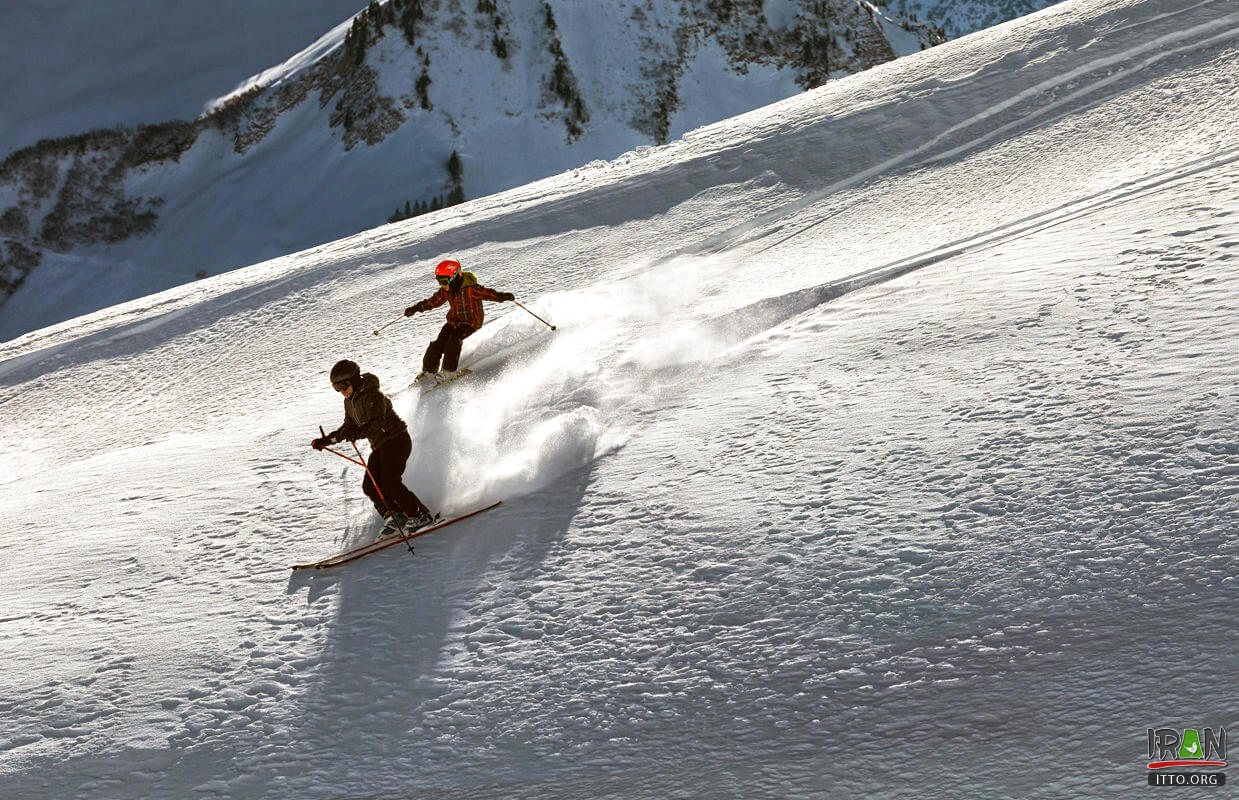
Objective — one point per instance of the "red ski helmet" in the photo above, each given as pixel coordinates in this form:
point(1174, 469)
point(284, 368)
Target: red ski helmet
point(447, 269)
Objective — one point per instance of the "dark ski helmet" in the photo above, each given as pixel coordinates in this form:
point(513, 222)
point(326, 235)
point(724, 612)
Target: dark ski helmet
point(344, 373)
point(446, 270)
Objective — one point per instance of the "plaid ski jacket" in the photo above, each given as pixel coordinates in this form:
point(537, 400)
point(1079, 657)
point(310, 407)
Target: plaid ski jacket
point(464, 301)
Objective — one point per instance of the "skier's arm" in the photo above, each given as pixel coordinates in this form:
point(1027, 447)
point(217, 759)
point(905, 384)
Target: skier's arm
point(345, 433)
point(434, 301)
point(486, 293)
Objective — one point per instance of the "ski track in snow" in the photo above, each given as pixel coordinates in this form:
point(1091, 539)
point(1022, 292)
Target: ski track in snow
point(800, 466)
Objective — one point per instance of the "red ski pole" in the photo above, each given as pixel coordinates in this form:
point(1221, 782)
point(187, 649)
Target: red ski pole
point(362, 461)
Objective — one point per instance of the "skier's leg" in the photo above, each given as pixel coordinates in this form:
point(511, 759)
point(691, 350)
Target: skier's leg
point(393, 455)
point(434, 350)
point(367, 486)
point(379, 467)
point(451, 348)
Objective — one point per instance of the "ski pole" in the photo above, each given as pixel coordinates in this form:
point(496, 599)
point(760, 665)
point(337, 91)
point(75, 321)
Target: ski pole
point(404, 536)
point(362, 461)
point(388, 325)
point(535, 316)
point(345, 456)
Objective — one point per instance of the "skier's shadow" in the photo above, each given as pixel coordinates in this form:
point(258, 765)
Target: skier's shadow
point(385, 656)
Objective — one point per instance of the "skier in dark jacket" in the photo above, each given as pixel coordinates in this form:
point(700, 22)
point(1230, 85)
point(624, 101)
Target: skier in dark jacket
point(464, 296)
point(368, 414)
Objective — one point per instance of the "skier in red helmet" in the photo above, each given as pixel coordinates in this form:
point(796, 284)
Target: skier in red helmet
point(464, 296)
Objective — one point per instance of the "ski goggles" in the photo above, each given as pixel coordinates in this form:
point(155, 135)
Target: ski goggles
point(340, 386)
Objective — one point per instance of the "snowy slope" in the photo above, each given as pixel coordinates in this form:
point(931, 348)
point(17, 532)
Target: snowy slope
point(886, 447)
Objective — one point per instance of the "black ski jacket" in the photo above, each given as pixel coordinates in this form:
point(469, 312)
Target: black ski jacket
point(368, 414)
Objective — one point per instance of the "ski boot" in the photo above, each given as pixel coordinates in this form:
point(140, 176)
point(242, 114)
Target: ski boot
point(422, 520)
point(393, 524)
point(449, 375)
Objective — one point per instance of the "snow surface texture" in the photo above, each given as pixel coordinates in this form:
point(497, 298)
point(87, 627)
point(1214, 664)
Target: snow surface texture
point(901, 464)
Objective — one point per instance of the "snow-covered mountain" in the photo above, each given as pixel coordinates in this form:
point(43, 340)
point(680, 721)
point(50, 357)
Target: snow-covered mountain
point(359, 127)
point(886, 447)
point(961, 17)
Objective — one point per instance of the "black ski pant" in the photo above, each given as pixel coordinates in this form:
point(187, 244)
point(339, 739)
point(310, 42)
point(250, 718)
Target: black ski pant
point(387, 466)
point(446, 347)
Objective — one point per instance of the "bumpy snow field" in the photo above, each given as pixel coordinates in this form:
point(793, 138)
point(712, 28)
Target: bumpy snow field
point(888, 446)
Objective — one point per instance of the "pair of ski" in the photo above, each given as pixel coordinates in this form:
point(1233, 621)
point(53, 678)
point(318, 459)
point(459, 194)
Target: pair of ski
point(438, 382)
point(364, 550)
point(426, 385)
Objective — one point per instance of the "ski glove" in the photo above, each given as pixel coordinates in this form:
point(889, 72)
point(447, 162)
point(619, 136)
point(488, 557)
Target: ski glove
point(505, 296)
point(411, 310)
point(319, 444)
